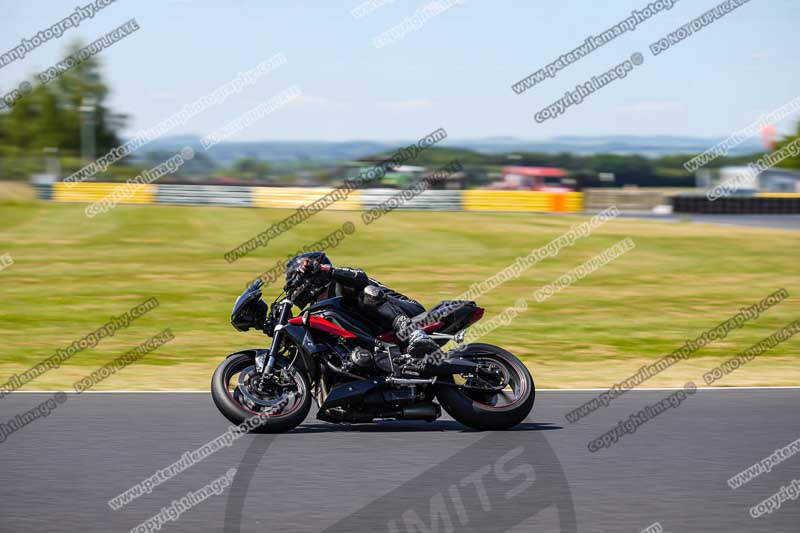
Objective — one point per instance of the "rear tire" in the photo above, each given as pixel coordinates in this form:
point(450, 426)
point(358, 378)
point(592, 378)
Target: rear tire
point(482, 416)
point(238, 413)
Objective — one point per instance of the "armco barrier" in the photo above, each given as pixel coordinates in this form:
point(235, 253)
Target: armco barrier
point(759, 204)
point(428, 200)
point(44, 191)
point(223, 195)
point(296, 197)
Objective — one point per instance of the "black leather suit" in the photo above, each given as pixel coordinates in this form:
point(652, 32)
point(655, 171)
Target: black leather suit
point(384, 306)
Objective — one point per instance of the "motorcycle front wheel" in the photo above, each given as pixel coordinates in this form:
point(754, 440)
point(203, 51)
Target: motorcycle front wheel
point(272, 406)
point(503, 407)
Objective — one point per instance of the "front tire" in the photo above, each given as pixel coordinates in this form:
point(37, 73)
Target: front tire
point(228, 399)
point(490, 411)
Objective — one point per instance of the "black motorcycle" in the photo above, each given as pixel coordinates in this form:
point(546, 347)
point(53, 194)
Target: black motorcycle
point(358, 373)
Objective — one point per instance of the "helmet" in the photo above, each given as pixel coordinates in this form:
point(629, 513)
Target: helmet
point(293, 265)
point(316, 285)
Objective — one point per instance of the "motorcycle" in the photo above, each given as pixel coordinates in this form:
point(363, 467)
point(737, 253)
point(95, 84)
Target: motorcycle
point(357, 373)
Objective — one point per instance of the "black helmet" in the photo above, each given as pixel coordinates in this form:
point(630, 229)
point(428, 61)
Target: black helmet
point(293, 273)
point(293, 265)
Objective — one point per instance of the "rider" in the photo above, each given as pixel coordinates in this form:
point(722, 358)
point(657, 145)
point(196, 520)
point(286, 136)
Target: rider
point(379, 303)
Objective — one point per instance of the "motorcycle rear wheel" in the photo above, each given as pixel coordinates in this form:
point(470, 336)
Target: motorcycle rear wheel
point(490, 410)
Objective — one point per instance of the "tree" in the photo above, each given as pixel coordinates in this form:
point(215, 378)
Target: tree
point(50, 115)
point(791, 162)
point(251, 168)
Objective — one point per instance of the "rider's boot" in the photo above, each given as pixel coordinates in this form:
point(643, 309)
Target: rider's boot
point(420, 343)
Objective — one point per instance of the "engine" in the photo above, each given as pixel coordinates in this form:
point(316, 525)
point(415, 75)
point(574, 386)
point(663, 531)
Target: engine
point(365, 363)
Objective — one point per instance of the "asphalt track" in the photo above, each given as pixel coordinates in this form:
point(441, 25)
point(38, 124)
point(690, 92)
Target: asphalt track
point(789, 222)
point(58, 473)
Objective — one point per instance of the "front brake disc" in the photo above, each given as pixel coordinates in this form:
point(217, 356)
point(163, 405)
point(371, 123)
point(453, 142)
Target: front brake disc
point(255, 399)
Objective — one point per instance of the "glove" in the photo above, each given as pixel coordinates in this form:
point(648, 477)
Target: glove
point(309, 267)
point(312, 269)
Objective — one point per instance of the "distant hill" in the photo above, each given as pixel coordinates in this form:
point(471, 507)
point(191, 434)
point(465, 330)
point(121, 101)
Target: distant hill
point(317, 151)
point(650, 146)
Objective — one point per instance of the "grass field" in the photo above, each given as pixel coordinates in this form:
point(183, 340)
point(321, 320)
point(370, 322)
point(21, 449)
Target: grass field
point(71, 273)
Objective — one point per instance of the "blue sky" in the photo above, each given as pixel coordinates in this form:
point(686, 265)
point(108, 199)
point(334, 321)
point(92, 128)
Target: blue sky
point(453, 72)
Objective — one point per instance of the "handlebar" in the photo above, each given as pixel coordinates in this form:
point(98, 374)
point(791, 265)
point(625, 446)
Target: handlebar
point(298, 291)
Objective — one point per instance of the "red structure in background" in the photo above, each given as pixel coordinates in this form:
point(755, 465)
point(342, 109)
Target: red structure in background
point(768, 136)
point(546, 179)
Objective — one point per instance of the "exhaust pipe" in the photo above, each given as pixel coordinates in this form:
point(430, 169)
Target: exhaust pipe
point(421, 411)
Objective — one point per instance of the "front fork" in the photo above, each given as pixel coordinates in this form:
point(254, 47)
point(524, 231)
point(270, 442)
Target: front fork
point(277, 338)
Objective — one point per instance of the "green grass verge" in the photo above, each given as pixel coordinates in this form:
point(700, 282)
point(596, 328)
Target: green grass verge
point(71, 273)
